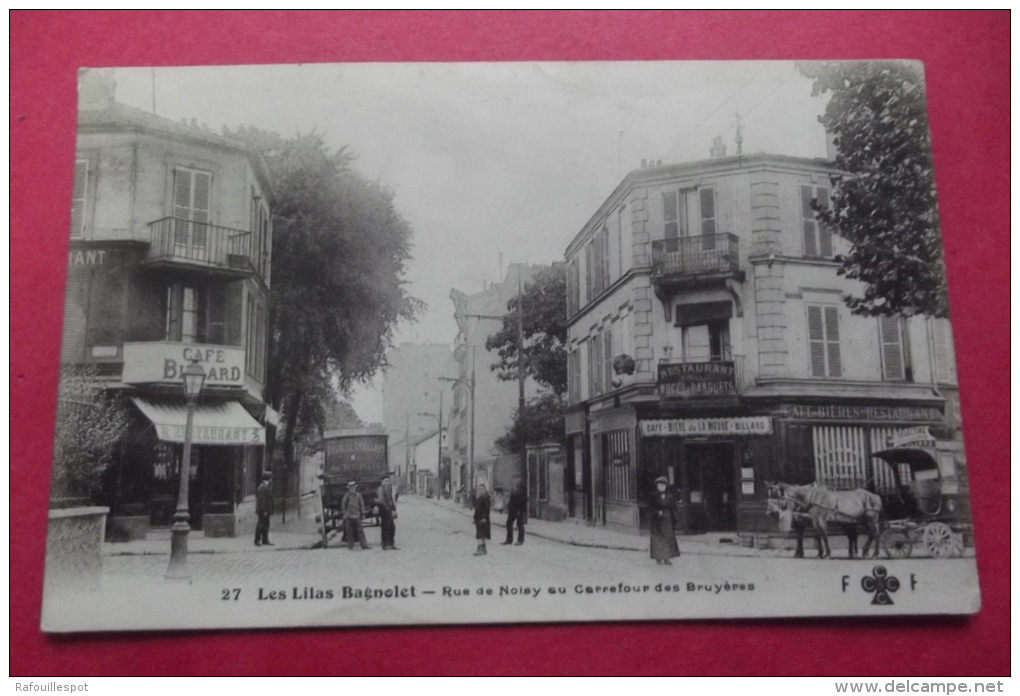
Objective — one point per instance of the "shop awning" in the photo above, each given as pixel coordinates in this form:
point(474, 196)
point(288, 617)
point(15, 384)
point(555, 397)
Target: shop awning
point(225, 423)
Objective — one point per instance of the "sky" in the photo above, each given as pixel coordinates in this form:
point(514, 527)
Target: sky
point(494, 163)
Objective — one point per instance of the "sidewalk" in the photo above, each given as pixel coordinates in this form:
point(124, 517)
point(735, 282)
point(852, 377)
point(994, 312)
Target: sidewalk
point(579, 534)
point(295, 534)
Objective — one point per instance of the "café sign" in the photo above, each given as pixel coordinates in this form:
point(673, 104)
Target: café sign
point(702, 427)
point(695, 380)
point(164, 361)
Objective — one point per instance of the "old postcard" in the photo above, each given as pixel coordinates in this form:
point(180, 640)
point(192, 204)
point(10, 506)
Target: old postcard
point(372, 344)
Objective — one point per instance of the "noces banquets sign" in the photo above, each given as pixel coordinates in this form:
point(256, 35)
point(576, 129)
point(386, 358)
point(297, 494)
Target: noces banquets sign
point(695, 380)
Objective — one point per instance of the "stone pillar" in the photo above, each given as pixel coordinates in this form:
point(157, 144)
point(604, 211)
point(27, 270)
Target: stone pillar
point(765, 222)
point(770, 311)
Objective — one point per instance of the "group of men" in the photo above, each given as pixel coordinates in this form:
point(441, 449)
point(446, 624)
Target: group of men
point(353, 509)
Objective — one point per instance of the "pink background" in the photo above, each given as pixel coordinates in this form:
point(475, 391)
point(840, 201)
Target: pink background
point(967, 62)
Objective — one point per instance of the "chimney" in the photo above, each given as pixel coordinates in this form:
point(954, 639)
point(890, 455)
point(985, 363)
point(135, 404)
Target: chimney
point(96, 88)
point(718, 149)
point(831, 151)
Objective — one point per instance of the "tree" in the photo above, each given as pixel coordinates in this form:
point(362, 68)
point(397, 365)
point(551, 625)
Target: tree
point(545, 332)
point(545, 360)
point(885, 205)
point(339, 254)
point(90, 422)
point(542, 422)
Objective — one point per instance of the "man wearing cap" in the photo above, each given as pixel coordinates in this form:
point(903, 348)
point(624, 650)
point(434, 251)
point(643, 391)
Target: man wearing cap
point(387, 503)
point(662, 508)
point(263, 509)
point(352, 507)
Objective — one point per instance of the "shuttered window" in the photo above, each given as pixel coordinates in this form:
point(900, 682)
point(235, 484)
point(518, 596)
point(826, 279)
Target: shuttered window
point(817, 237)
point(823, 341)
point(216, 315)
point(670, 215)
point(78, 198)
point(945, 359)
point(606, 256)
point(191, 211)
point(607, 358)
point(706, 198)
point(72, 346)
point(895, 358)
point(594, 365)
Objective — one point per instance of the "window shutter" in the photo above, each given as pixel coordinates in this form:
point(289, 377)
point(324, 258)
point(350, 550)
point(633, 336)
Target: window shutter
point(72, 343)
point(816, 341)
point(607, 358)
point(892, 347)
point(832, 341)
point(588, 272)
point(200, 207)
point(606, 256)
point(670, 217)
point(216, 315)
point(946, 366)
point(824, 233)
point(78, 195)
point(808, 216)
point(707, 195)
point(173, 313)
point(182, 207)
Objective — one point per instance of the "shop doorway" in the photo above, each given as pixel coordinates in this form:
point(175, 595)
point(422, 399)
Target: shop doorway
point(710, 484)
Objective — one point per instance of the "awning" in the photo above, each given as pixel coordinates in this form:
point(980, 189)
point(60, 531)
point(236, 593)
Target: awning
point(225, 423)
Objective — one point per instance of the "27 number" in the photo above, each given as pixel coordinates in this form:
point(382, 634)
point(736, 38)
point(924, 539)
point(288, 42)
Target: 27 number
point(231, 594)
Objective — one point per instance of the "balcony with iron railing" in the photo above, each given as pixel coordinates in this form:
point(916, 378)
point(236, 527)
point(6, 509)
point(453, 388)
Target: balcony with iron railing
point(180, 242)
point(706, 255)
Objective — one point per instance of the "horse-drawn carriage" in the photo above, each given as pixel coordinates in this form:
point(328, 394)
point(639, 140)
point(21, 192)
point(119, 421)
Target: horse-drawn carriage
point(922, 499)
point(930, 505)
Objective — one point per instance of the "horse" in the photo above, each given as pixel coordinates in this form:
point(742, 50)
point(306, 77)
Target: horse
point(820, 505)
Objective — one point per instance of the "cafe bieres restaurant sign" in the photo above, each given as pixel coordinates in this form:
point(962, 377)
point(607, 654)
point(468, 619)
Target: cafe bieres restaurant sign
point(165, 362)
point(698, 379)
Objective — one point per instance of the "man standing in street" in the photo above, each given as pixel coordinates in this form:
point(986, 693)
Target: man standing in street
point(387, 503)
point(352, 507)
point(516, 511)
point(263, 509)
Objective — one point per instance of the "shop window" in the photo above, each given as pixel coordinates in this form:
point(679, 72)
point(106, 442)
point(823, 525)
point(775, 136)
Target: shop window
point(823, 340)
point(817, 237)
point(79, 197)
point(895, 349)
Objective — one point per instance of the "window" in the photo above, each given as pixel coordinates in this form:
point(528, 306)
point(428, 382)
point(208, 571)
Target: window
point(823, 341)
point(191, 212)
point(573, 287)
point(817, 237)
point(606, 275)
point(607, 358)
point(78, 198)
point(690, 213)
point(706, 342)
point(594, 365)
point(895, 342)
point(181, 312)
point(708, 217)
point(945, 360)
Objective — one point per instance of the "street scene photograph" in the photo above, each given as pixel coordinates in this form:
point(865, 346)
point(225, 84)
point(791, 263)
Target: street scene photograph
point(448, 343)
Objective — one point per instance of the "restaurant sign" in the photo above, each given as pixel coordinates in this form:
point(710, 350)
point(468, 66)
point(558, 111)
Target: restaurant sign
point(702, 427)
point(212, 435)
point(693, 380)
point(164, 361)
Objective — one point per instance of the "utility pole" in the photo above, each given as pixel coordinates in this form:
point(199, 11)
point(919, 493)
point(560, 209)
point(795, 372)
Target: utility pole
point(471, 441)
point(520, 381)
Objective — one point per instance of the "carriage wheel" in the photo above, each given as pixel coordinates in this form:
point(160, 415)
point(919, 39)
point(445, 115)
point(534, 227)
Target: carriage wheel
point(940, 540)
point(897, 543)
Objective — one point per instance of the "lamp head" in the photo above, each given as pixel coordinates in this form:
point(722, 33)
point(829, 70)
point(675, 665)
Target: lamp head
point(194, 377)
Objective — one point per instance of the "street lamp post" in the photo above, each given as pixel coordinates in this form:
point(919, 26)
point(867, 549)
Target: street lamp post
point(194, 376)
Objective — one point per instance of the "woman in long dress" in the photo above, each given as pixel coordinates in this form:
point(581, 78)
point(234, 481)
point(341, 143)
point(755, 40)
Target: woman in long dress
point(483, 528)
point(662, 507)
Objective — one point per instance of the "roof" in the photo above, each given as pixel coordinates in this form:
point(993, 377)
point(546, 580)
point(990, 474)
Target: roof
point(117, 116)
point(720, 165)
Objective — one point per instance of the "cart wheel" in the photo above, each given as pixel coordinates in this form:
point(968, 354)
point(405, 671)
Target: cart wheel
point(897, 543)
point(940, 540)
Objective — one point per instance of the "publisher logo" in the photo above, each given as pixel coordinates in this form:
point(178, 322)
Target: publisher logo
point(881, 584)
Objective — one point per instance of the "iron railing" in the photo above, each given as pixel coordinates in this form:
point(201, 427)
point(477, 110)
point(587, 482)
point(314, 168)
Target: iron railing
point(202, 243)
point(691, 255)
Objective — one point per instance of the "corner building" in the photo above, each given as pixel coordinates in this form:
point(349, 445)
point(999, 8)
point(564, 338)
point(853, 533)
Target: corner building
point(169, 262)
point(718, 282)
